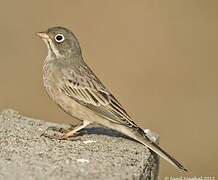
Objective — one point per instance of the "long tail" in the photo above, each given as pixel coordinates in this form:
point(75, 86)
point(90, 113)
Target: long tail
point(139, 135)
point(157, 149)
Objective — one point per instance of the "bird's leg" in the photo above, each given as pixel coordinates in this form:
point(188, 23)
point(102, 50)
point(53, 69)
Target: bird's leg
point(75, 130)
point(68, 134)
point(61, 130)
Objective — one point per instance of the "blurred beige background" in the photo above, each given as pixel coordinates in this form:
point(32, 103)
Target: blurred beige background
point(160, 58)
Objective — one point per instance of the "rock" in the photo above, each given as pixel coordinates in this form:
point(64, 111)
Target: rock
point(99, 153)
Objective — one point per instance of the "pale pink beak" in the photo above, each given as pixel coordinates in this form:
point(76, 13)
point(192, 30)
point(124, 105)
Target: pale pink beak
point(42, 35)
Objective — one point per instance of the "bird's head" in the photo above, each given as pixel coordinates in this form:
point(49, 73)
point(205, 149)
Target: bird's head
point(60, 42)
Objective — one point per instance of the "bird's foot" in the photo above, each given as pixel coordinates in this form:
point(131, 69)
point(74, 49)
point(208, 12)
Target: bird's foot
point(61, 133)
point(60, 137)
point(60, 129)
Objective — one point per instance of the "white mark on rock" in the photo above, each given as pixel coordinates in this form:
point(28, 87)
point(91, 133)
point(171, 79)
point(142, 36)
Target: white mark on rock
point(147, 131)
point(83, 160)
point(89, 141)
point(154, 137)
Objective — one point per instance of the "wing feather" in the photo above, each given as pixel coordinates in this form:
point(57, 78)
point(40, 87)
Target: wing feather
point(90, 92)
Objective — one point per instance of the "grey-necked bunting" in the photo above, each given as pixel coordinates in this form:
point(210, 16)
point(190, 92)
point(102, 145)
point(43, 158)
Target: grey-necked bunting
point(72, 85)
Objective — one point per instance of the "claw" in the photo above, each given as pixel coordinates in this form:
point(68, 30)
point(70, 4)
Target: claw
point(60, 137)
point(63, 135)
point(66, 134)
point(54, 128)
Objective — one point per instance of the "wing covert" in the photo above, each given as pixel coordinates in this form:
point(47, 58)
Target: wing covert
point(92, 94)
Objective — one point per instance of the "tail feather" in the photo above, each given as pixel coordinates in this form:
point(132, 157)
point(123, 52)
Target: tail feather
point(158, 150)
point(139, 135)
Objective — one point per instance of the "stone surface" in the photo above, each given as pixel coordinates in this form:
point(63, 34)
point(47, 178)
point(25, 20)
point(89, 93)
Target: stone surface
point(99, 153)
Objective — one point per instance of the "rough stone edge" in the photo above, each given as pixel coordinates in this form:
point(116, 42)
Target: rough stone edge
point(151, 170)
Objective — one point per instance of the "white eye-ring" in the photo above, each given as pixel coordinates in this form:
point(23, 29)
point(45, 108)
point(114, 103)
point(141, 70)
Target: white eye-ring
point(59, 38)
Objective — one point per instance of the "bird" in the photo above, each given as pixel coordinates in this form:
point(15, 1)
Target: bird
point(74, 87)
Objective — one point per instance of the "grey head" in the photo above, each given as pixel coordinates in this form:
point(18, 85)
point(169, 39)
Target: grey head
point(61, 42)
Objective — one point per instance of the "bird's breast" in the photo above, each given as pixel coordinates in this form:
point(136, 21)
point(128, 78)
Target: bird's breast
point(52, 79)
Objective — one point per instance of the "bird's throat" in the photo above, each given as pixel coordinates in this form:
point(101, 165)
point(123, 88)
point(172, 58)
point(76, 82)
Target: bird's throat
point(52, 50)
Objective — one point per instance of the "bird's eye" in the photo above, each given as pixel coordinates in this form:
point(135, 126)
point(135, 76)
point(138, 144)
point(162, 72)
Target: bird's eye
point(59, 38)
